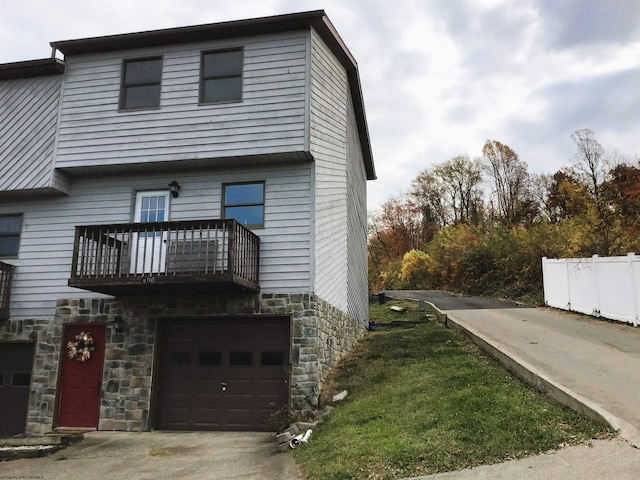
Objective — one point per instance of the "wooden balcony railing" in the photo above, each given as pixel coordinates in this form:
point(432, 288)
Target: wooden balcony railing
point(140, 258)
point(6, 274)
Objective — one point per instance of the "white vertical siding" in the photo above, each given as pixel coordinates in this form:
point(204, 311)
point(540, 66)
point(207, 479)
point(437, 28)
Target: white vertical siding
point(28, 112)
point(328, 130)
point(269, 119)
point(46, 243)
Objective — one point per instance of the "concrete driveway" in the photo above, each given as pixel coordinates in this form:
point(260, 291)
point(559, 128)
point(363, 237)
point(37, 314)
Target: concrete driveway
point(158, 455)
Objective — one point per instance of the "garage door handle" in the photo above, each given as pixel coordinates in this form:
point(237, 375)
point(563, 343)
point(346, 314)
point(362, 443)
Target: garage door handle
point(224, 387)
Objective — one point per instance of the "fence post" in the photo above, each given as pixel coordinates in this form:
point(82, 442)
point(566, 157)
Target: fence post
point(544, 284)
point(566, 271)
point(596, 308)
point(634, 282)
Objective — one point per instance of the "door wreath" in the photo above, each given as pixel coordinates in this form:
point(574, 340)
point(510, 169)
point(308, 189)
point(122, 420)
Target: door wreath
point(81, 348)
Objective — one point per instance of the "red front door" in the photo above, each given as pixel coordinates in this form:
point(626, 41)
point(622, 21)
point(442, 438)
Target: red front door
point(80, 381)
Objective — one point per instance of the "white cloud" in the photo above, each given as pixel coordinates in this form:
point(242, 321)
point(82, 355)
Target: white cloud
point(439, 77)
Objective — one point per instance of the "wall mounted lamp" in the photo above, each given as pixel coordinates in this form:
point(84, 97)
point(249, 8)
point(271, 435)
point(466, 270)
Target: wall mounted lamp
point(118, 324)
point(174, 188)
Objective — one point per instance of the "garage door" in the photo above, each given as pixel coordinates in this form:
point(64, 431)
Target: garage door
point(227, 374)
point(16, 361)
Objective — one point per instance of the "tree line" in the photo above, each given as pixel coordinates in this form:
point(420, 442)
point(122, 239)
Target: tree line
point(482, 225)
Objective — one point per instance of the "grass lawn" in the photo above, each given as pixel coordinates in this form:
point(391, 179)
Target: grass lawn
point(423, 399)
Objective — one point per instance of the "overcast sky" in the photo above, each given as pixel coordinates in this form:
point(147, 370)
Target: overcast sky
point(439, 77)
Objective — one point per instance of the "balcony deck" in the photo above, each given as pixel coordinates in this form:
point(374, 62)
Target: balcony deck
point(6, 274)
point(149, 258)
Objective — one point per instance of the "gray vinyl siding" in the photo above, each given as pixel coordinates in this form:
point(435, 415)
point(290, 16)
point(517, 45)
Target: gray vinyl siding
point(269, 119)
point(328, 127)
point(46, 244)
point(357, 267)
point(28, 112)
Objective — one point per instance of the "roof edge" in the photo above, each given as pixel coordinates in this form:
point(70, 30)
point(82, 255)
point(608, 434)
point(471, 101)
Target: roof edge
point(189, 34)
point(31, 68)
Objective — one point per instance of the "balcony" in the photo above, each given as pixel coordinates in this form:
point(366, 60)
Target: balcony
point(149, 258)
point(6, 274)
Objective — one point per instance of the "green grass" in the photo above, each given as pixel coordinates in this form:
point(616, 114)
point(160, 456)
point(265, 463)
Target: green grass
point(423, 399)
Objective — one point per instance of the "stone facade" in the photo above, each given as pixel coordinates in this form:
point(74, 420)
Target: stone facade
point(321, 335)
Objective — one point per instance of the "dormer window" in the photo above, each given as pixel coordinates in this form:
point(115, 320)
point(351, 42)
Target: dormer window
point(141, 80)
point(221, 76)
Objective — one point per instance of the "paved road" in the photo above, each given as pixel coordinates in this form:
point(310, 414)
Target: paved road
point(598, 360)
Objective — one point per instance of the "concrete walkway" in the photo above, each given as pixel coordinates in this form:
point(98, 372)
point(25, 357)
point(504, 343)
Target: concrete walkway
point(161, 455)
point(590, 364)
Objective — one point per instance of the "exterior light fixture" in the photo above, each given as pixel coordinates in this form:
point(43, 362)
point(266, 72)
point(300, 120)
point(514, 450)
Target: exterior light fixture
point(118, 324)
point(174, 188)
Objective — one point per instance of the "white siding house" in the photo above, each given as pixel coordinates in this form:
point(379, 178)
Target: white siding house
point(254, 264)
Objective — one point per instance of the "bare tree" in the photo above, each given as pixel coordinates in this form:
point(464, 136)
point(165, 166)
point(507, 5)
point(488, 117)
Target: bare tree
point(540, 185)
point(427, 192)
point(461, 177)
point(509, 178)
point(449, 193)
point(590, 162)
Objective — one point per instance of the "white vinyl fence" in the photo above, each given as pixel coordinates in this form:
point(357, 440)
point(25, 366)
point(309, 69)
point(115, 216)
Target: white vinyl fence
point(601, 286)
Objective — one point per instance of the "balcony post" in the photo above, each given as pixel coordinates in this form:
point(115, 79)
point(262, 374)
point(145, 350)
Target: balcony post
point(232, 225)
point(6, 277)
point(76, 253)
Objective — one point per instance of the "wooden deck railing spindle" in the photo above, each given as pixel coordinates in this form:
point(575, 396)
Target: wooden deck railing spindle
point(111, 257)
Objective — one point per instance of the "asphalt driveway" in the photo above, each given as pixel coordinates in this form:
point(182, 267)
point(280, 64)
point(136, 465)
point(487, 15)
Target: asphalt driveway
point(159, 455)
point(593, 364)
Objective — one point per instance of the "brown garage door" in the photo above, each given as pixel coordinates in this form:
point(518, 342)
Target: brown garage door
point(227, 374)
point(16, 361)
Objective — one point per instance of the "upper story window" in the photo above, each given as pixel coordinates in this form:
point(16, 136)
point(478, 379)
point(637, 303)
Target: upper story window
point(221, 76)
point(245, 203)
point(10, 227)
point(141, 83)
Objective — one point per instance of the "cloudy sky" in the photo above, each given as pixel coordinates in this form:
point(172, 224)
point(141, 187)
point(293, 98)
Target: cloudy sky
point(439, 77)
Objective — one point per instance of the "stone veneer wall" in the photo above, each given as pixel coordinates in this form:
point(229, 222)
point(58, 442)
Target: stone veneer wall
point(321, 333)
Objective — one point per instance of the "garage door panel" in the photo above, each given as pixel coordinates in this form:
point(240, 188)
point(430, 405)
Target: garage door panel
point(206, 416)
point(272, 388)
point(16, 363)
point(247, 356)
point(206, 389)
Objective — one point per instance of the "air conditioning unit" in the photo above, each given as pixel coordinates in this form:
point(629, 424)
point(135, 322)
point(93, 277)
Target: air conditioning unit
point(191, 257)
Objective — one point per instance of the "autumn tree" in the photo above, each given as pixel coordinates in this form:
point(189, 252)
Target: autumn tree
point(414, 273)
point(621, 194)
point(509, 180)
point(567, 196)
point(393, 230)
point(623, 190)
point(606, 227)
point(449, 192)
